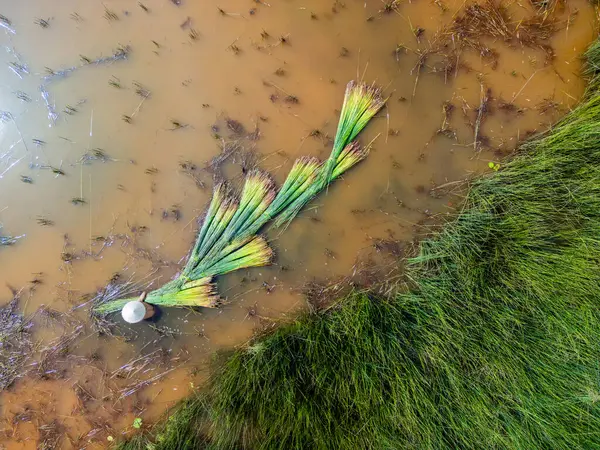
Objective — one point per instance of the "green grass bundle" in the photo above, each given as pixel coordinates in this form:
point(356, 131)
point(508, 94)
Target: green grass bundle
point(361, 103)
point(228, 239)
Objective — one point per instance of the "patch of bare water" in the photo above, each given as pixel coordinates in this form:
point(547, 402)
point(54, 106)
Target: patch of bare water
point(104, 169)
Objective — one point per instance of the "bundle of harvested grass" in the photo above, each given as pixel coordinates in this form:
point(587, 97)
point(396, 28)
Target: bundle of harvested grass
point(227, 240)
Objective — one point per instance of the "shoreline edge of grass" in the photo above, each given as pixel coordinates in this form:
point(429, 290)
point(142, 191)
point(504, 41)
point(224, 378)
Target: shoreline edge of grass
point(495, 346)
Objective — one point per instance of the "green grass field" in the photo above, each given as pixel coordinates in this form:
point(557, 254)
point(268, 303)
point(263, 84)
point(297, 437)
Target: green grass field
point(496, 346)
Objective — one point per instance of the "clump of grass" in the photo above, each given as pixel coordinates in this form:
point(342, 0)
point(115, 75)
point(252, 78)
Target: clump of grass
point(490, 19)
point(493, 346)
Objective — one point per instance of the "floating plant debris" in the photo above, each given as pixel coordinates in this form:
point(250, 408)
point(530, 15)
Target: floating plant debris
point(78, 201)
point(96, 154)
point(44, 221)
point(18, 69)
point(177, 125)
point(120, 53)
point(114, 82)
point(110, 15)
point(44, 23)
point(70, 110)
point(6, 24)
point(141, 90)
point(16, 343)
point(390, 6)
point(23, 96)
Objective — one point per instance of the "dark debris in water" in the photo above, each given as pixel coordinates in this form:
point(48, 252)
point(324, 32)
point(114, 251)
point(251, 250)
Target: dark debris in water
point(15, 343)
point(190, 169)
point(44, 23)
point(235, 126)
point(55, 358)
point(96, 154)
point(173, 213)
point(50, 435)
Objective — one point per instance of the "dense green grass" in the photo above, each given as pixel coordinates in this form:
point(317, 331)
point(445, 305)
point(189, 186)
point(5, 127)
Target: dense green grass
point(496, 346)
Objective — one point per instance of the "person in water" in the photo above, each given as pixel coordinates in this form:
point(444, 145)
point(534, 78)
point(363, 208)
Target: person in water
point(138, 310)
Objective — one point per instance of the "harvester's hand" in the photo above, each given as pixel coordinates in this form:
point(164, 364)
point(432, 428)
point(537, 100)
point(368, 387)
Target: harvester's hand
point(143, 296)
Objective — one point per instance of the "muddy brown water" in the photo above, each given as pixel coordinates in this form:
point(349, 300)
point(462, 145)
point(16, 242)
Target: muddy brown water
point(204, 63)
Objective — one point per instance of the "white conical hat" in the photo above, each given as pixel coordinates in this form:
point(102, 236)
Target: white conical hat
point(133, 312)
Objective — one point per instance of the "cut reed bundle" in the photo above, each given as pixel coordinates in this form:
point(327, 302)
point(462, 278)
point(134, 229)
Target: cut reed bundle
point(228, 239)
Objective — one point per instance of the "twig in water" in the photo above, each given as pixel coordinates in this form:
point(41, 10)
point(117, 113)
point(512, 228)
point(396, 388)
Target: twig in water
point(70, 110)
point(44, 23)
point(55, 170)
point(44, 222)
point(177, 125)
point(96, 154)
point(141, 90)
point(114, 82)
point(110, 15)
point(18, 69)
point(23, 96)
point(523, 87)
point(485, 97)
point(78, 201)
point(52, 114)
point(6, 24)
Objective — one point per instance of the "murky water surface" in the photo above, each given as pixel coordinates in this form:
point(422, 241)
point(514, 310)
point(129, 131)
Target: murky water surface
point(114, 183)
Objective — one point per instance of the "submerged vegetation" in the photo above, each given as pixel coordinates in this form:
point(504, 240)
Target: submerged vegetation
point(228, 240)
point(493, 346)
